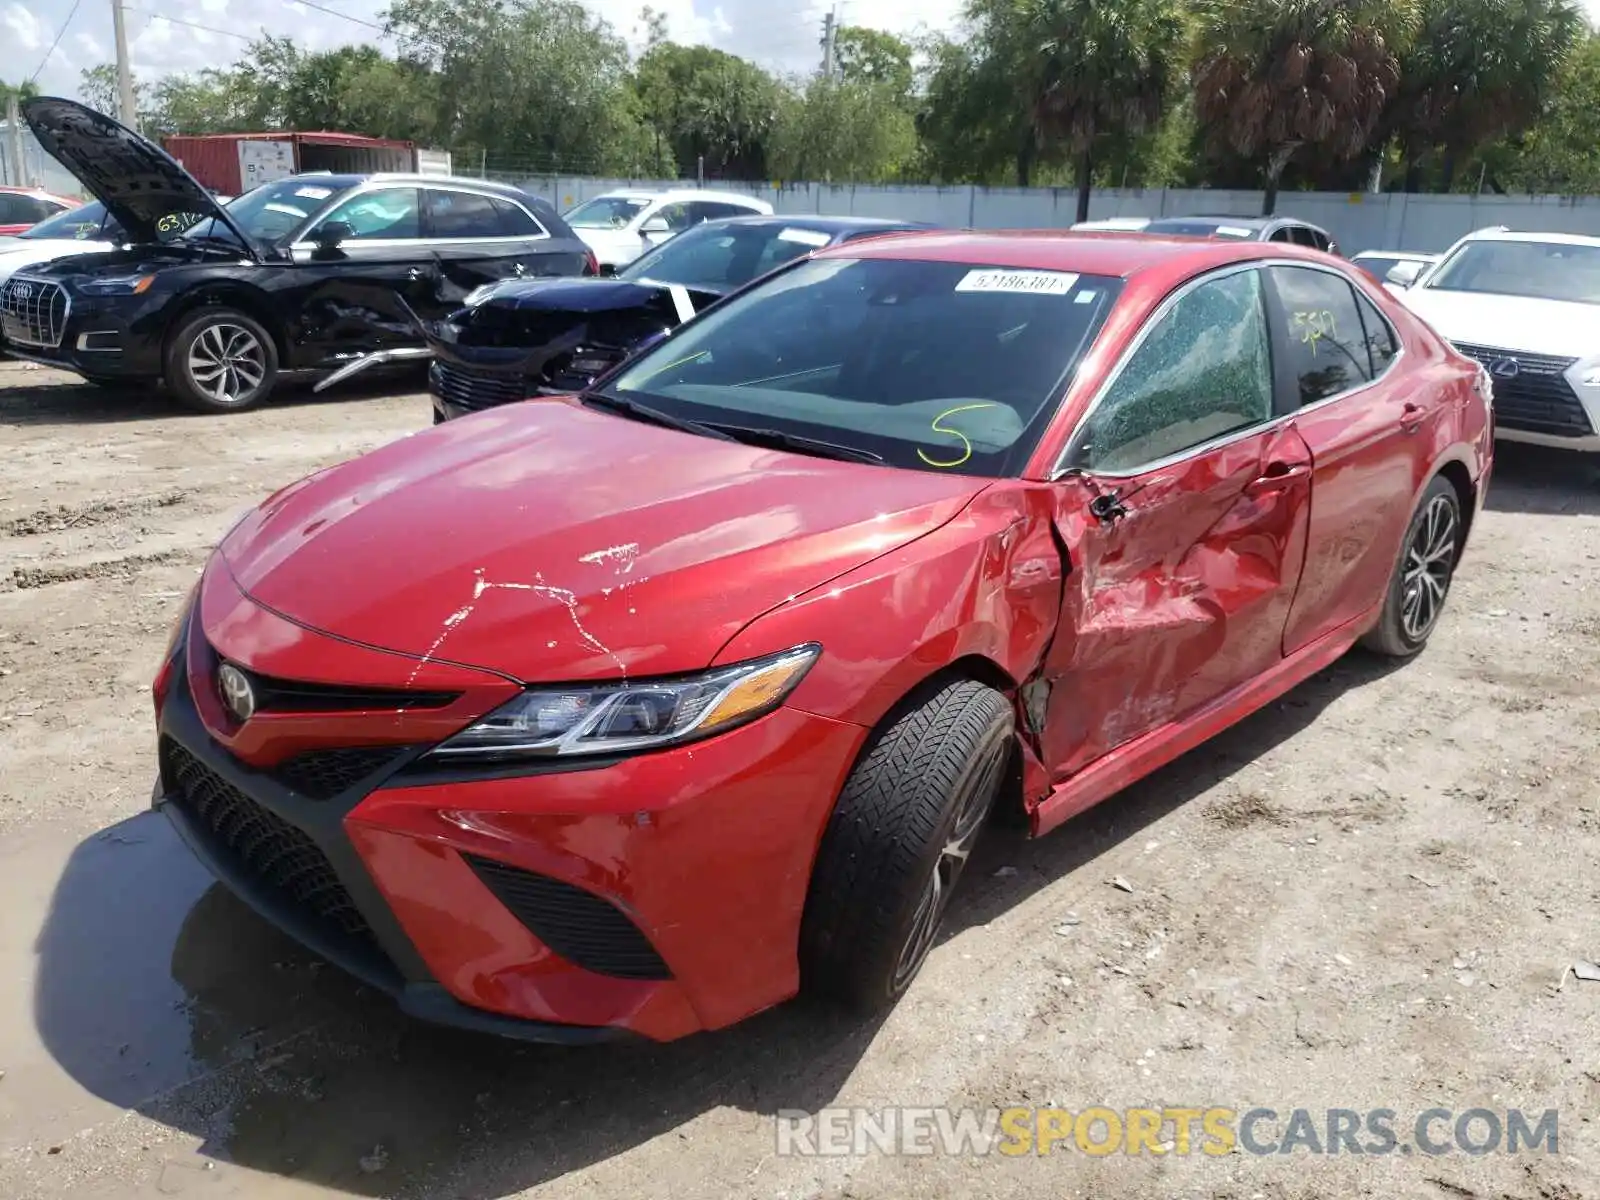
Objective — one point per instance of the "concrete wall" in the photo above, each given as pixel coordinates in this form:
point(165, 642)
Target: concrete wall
point(1359, 221)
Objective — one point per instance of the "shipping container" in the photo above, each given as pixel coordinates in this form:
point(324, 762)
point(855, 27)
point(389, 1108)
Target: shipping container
point(232, 163)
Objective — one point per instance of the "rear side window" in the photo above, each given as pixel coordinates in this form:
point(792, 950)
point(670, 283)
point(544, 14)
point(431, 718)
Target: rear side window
point(1381, 347)
point(461, 215)
point(1204, 371)
point(1327, 348)
point(714, 211)
point(514, 220)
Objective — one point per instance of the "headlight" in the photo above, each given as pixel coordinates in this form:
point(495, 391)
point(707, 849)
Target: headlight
point(120, 285)
point(614, 718)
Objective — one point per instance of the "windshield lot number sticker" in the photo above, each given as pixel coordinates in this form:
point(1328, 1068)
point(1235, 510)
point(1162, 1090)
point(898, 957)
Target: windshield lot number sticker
point(1029, 283)
point(803, 237)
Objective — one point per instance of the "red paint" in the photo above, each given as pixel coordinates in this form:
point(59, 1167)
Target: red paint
point(213, 158)
point(61, 204)
point(550, 542)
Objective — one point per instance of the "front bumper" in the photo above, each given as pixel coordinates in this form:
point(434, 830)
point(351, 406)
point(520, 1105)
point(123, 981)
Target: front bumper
point(673, 883)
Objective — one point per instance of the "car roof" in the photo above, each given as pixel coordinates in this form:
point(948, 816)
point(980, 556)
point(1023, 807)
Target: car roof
point(1525, 235)
point(1420, 255)
point(1087, 252)
point(821, 224)
point(677, 194)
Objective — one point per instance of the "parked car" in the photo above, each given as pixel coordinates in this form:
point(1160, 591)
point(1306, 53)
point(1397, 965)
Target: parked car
point(640, 709)
point(1525, 306)
point(1112, 225)
point(1398, 268)
point(304, 274)
point(540, 337)
point(23, 208)
point(620, 226)
point(1256, 229)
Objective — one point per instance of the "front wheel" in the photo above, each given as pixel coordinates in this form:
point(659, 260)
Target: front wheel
point(898, 840)
point(221, 360)
point(1422, 577)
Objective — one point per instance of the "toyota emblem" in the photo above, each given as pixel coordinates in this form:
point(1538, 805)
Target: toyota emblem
point(237, 694)
point(1505, 368)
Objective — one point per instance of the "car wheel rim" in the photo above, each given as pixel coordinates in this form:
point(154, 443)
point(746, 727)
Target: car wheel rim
point(1428, 563)
point(227, 362)
point(947, 867)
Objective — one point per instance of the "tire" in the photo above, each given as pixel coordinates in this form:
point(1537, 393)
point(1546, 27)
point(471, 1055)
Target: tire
point(1422, 576)
point(221, 360)
point(907, 817)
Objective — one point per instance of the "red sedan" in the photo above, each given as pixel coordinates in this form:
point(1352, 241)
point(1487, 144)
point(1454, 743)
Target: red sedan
point(23, 208)
point(637, 711)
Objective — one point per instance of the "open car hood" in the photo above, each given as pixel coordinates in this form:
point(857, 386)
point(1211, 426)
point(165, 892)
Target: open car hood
point(139, 183)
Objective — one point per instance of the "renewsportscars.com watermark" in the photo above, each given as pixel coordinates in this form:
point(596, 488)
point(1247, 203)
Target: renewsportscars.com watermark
point(1208, 1131)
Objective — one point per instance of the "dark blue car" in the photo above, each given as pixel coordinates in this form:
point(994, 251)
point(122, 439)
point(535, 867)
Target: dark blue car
point(539, 337)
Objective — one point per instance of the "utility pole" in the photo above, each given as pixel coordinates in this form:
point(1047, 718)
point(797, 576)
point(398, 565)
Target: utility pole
point(127, 110)
point(830, 27)
point(19, 170)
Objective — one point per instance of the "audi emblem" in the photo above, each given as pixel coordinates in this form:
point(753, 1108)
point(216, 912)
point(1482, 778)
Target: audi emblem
point(22, 291)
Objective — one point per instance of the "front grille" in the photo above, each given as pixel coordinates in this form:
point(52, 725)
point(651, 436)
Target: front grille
point(33, 312)
point(467, 388)
point(1538, 398)
point(582, 928)
point(323, 774)
point(258, 842)
point(273, 695)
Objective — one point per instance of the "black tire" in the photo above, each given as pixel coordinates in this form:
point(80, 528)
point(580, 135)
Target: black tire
point(1422, 575)
point(211, 335)
point(927, 780)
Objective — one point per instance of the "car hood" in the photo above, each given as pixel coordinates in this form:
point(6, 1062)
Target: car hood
point(126, 260)
point(553, 542)
point(1556, 327)
point(137, 181)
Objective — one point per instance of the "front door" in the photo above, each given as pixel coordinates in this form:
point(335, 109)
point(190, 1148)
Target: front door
point(1185, 515)
point(1362, 432)
point(348, 298)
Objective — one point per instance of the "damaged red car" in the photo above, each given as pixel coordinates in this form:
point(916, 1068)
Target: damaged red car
point(642, 710)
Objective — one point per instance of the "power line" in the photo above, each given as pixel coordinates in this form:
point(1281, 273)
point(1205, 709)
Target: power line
point(334, 12)
point(243, 37)
point(60, 33)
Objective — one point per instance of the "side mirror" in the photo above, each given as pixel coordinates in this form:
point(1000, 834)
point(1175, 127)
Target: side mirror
point(1403, 274)
point(331, 234)
point(655, 226)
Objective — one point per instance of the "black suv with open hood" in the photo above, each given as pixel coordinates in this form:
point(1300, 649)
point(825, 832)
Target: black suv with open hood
point(541, 337)
point(307, 274)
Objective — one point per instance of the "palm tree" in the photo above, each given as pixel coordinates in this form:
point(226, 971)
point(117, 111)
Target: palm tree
point(1478, 70)
point(1274, 76)
point(1085, 71)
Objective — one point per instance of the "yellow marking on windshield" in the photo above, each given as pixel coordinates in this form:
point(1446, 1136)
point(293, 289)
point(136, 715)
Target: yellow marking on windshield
point(966, 442)
point(677, 362)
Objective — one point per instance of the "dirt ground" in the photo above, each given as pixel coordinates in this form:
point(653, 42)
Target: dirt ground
point(1364, 897)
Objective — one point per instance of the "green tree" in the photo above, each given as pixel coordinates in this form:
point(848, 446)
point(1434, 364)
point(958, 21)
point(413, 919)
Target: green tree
point(97, 87)
point(1558, 152)
point(705, 103)
point(872, 56)
point(1274, 76)
point(969, 127)
point(1477, 71)
point(842, 130)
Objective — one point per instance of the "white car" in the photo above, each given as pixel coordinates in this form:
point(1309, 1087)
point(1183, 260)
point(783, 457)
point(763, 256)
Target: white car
point(76, 231)
point(1395, 269)
point(620, 226)
point(1112, 224)
point(1526, 306)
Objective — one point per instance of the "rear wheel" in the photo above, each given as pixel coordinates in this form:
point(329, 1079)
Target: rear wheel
point(221, 360)
point(898, 840)
point(1422, 577)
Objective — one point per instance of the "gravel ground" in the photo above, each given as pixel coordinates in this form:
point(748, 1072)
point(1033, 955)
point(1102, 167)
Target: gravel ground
point(1363, 897)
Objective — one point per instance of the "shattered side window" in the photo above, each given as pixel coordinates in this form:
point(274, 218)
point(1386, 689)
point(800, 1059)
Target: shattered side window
point(1204, 371)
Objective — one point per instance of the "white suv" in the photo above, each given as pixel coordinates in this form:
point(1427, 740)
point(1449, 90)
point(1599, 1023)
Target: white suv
point(620, 226)
point(1526, 306)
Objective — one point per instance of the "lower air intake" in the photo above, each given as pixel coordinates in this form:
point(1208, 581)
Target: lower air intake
point(582, 928)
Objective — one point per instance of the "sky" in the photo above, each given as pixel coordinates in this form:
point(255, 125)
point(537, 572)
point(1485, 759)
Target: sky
point(779, 34)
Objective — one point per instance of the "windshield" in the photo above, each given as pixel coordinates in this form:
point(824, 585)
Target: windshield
point(932, 366)
point(272, 211)
point(1538, 270)
point(719, 258)
point(606, 212)
point(79, 224)
point(1201, 229)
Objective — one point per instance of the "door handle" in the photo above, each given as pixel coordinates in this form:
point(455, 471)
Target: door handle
point(1410, 417)
point(1280, 474)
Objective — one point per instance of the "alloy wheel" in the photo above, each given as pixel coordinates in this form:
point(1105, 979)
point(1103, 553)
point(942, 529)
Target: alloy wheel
point(952, 860)
point(1429, 561)
point(227, 362)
